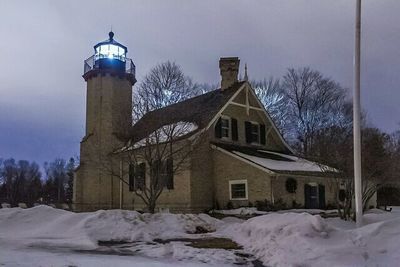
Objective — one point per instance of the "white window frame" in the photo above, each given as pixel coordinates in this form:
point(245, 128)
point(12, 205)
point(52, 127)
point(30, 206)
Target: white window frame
point(232, 182)
point(229, 137)
point(258, 133)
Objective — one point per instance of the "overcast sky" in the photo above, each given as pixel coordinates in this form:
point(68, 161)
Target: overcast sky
point(43, 45)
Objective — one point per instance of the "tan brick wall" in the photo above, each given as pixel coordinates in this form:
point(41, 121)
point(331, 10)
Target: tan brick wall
point(280, 192)
point(227, 168)
point(107, 113)
point(176, 199)
point(202, 178)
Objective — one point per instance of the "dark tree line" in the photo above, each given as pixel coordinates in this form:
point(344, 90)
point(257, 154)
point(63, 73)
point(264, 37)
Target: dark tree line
point(23, 182)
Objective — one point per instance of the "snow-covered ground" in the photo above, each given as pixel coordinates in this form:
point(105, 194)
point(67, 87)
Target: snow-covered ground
point(44, 236)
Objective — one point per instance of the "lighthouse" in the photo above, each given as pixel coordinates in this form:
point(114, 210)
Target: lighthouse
point(109, 76)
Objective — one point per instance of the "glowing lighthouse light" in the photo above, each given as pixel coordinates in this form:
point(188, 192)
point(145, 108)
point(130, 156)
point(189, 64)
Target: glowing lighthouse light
point(110, 49)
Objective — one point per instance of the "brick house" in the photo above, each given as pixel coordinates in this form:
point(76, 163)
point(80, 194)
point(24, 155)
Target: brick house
point(242, 159)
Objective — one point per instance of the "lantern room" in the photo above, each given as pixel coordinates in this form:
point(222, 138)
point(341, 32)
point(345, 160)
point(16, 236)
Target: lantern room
point(109, 56)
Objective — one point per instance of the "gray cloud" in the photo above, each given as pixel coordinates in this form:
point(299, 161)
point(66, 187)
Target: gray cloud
point(44, 43)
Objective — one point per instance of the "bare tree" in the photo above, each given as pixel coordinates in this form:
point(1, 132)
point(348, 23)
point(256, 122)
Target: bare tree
point(59, 180)
point(149, 165)
point(274, 100)
point(333, 147)
point(313, 103)
point(159, 156)
point(20, 181)
point(164, 85)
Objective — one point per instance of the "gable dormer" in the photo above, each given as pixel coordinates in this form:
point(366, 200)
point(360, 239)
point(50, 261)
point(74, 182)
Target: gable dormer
point(243, 120)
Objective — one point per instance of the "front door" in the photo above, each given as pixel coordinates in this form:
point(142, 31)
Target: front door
point(311, 200)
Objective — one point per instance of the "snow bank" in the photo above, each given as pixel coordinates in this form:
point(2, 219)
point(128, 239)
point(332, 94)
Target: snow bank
point(240, 211)
point(305, 240)
point(46, 226)
point(287, 239)
point(248, 211)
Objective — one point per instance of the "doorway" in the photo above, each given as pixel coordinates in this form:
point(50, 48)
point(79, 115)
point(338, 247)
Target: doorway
point(314, 196)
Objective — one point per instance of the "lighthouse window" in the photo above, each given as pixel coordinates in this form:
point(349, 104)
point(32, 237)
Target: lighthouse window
point(110, 51)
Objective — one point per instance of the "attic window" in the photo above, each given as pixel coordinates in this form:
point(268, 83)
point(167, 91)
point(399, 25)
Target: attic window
point(255, 133)
point(225, 127)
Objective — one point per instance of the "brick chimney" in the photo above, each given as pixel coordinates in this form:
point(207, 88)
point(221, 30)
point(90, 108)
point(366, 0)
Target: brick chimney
point(229, 69)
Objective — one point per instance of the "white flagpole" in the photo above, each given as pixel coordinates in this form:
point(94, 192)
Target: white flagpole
point(356, 118)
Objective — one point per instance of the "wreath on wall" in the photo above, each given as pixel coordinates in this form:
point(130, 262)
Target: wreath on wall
point(291, 185)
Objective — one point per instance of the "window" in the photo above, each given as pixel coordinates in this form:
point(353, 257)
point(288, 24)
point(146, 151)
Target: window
point(137, 176)
point(225, 127)
point(162, 174)
point(255, 133)
point(238, 189)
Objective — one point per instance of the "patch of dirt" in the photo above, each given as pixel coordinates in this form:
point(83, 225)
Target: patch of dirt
point(210, 242)
point(201, 230)
point(127, 248)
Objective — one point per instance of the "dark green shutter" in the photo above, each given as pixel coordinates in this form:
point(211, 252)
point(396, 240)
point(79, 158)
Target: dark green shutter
point(262, 134)
point(218, 129)
point(234, 129)
point(170, 174)
point(307, 189)
point(247, 127)
point(155, 174)
point(131, 177)
point(140, 176)
point(321, 196)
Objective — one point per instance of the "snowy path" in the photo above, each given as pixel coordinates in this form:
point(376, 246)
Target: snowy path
point(30, 257)
point(43, 236)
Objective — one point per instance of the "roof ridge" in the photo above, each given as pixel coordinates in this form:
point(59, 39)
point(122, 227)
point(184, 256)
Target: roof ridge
point(217, 90)
point(198, 109)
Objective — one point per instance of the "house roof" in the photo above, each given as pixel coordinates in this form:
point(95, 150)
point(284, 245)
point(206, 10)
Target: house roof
point(199, 110)
point(277, 162)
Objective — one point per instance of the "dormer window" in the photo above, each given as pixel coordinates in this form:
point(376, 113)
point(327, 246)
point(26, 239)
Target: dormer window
point(225, 127)
point(255, 133)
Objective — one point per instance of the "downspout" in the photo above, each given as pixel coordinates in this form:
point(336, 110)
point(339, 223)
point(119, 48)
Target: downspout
point(272, 190)
point(120, 185)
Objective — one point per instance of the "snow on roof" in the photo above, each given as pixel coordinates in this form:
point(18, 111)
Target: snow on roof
point(165, 133)
point(286, 163)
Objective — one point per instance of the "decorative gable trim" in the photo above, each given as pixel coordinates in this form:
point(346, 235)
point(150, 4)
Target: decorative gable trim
point(248, 107)
point(224, 107)
point(245, 106)
point(269, 119)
